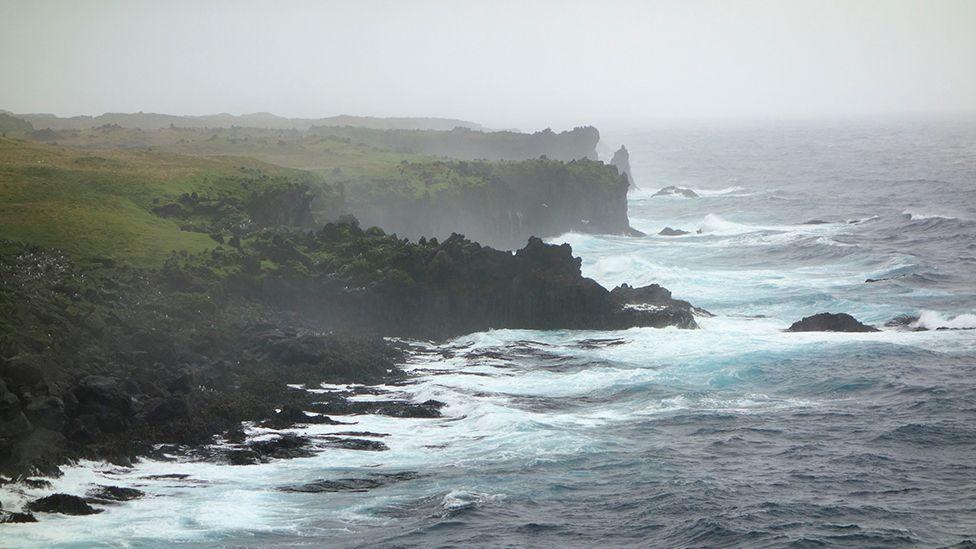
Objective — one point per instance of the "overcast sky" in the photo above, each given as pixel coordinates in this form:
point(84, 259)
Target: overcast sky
point(522, 63)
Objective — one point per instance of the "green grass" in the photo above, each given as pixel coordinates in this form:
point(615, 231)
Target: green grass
point(99, 203)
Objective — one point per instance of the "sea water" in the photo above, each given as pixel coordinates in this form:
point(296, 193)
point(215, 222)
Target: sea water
point(737, 434)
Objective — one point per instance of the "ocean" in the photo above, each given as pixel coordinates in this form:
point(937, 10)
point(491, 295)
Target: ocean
point(735, 435)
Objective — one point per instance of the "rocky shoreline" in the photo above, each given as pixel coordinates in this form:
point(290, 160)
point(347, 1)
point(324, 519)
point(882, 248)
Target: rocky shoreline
point(110, 362)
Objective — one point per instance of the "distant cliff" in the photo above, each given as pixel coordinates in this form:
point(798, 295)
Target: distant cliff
point(500, 204)
point(466, 144)
point(155, 121)
point(14, 125)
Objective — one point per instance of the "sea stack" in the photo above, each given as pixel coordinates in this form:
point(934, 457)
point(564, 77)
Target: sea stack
point(621, 161)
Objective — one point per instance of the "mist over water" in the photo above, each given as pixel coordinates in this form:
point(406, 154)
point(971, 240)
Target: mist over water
point(737, 434)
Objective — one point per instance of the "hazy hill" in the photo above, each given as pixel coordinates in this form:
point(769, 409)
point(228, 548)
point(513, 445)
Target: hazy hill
point(153, 121)
point(12, 124)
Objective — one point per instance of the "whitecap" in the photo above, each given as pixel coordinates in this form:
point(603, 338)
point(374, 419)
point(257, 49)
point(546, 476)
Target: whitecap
point(718, 192)
point(932, 320)
point(920, 216)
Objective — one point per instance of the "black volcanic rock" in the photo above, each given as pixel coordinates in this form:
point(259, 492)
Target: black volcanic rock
point(15, 517)
point(671, 190)
point(668, 231)
point(64, 504)
point(180, 353)
point(830, 322)
point(115, 493)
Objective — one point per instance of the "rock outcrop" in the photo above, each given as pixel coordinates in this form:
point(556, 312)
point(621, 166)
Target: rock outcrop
point(668, 231)
point(621, 161)
point(671, 190)
point(830, 322)
point(64, 504)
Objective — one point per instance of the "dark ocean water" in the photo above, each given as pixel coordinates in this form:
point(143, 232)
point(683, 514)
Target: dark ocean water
point(735, 435)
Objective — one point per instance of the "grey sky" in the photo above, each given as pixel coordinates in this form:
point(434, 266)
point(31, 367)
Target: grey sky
point(521, 63)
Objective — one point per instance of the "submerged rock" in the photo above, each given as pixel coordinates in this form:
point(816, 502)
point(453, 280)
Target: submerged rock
point(668, 231)
point(830, 322)
point(671, 190)
point(356, 444)
point(64, 504)
point(350, 484)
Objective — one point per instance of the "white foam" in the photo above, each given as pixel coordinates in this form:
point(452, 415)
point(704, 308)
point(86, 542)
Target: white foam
point(921, 216)
point(932, 320)
point(718, 192)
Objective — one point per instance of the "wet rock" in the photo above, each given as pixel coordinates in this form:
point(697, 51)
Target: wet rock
point(36, 483)
point(905, 322)
point(64, 504)
point(11, 517)
point(392, 408)
point(356, 444)
point(168, 476)
point(428, 409)
point(830, 322)
point(361, 434)
point(668, 231)
point(816, 222)
point(286, 446)
point(290, 415)
point(653, 295)
point(115, 493)
point(671, 190)
point(337, 485)
point(350, 484)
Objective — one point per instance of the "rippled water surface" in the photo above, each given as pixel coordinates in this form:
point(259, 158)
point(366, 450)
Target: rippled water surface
point(737, 434)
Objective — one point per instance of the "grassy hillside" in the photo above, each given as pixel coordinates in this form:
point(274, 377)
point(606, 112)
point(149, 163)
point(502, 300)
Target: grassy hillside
point(499, 203)
point(100, 203)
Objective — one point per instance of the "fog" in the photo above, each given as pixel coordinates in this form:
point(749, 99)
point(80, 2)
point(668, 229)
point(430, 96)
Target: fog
point(504, 64)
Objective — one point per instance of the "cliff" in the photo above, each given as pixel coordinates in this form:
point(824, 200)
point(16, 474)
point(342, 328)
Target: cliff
point(499, 204)
point(466, 144)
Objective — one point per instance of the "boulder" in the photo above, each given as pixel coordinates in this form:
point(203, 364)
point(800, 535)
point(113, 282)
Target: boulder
point(668, 231)
point(830, 322)
point(15, 517)
point(671, 190)
point(115, 493)
point(65, 504)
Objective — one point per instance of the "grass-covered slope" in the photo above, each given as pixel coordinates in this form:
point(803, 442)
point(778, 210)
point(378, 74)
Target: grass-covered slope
point(499, 203)
point(105, 203)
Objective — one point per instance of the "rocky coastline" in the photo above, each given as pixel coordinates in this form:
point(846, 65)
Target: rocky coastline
point(109, 362)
